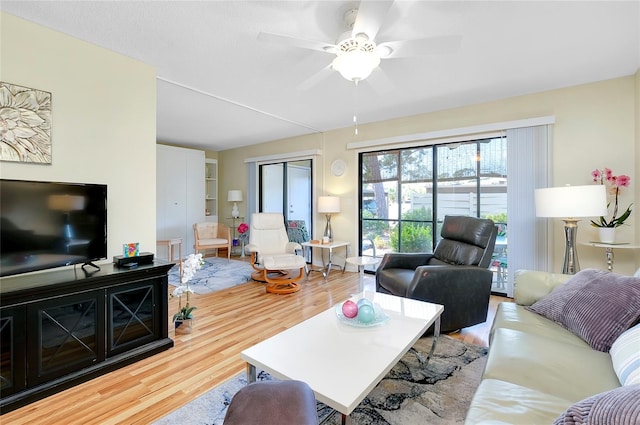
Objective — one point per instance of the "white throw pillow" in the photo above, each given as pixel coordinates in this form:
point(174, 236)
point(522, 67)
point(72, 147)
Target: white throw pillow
point(625, 355)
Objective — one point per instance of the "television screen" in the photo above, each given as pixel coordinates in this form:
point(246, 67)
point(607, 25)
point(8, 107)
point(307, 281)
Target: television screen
point(49, 224)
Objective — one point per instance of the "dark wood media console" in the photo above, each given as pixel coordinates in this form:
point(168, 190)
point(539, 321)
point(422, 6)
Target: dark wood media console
point(64, 327)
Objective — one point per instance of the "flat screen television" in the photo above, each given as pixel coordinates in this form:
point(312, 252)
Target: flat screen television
point(51, 224)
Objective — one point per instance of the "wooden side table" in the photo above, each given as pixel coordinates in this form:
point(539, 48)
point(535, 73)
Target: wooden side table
point(170, 244)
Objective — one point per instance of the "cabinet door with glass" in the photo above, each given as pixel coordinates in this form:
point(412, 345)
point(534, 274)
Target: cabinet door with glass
point(67, 335)
point(132, 316)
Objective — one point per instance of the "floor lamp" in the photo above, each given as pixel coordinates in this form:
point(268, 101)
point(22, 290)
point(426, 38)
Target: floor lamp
point(571, 203)
point(328, 205)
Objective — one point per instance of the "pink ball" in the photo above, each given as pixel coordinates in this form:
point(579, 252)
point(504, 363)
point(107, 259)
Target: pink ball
point(349, 309)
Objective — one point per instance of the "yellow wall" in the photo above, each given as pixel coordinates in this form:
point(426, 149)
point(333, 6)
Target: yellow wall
point(596, 126)
point(103, 122)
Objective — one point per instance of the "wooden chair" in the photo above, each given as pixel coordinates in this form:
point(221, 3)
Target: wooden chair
point(209, 235)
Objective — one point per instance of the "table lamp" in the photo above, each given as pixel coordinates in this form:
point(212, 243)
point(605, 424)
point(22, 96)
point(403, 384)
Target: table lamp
point(234, 196)
point(571, 203)
point(328, 205)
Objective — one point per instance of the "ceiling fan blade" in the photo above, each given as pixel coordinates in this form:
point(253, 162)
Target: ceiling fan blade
point(370, 17)
point(286, 40)
point(380, 82)
point(421, 46)
point(316, 78)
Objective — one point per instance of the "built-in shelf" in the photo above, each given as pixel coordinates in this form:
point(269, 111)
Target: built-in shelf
point(211, 189)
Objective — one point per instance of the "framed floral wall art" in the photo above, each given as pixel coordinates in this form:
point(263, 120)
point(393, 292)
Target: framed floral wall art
point(25, 124)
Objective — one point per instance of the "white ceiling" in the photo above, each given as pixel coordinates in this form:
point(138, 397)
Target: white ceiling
point(219, 87)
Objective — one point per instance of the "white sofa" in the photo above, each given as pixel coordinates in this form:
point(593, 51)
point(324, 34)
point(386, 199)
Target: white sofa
point(536, 369)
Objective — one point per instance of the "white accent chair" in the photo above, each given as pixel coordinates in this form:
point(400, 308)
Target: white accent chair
point(209, 235)
point(272, 255)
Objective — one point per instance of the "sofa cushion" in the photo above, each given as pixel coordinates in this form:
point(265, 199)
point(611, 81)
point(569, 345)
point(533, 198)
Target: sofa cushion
point(530, 286)
point(512, 316)
point(550, 366)
point(625, 355)
point(499, 402)
point(596, 305)
point(619, 406)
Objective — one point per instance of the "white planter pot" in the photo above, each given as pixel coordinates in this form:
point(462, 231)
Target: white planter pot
point(184, 326)
point(607, 234)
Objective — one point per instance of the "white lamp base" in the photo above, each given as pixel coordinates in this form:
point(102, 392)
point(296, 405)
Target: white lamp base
point(234, 212)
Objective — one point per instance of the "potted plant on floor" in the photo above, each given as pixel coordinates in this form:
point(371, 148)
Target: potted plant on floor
point(183, 319)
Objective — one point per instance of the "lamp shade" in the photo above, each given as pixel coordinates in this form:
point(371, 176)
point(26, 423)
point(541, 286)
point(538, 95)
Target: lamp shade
point(328, 204)
point(234, 196)
point(571, 201)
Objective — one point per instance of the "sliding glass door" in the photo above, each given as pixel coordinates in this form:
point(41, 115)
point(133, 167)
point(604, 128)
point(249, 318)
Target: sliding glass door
point(285, 188)
point(406, 193)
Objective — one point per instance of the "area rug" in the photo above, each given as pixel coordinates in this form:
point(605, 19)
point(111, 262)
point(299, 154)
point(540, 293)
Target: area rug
point(410, 393)
point(215, 274)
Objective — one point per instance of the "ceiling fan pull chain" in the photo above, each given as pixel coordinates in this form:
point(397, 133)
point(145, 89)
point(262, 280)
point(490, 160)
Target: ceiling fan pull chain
point(355, 108)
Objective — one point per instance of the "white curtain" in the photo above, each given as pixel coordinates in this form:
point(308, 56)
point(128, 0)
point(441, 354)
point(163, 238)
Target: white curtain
point(528, 168)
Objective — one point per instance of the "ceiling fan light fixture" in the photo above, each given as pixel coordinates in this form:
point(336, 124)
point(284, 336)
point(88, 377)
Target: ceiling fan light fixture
point(355, 65)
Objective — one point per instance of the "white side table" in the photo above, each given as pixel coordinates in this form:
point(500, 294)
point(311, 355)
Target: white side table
point(608, 250)
point(360, 262)
point(326, 246)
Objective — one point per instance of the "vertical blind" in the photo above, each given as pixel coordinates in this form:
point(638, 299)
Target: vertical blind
point(528, 169)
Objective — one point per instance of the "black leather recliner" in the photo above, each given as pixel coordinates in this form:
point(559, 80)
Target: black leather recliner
point(455, 275)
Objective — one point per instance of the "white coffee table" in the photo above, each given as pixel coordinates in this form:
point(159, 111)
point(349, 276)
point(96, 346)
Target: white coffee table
point(342, 363)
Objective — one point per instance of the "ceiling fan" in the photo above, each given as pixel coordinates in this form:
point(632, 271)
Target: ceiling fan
point(356, 52)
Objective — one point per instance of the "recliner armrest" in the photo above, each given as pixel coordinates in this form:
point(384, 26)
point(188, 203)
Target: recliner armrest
point(400, 260)
point(251, 248)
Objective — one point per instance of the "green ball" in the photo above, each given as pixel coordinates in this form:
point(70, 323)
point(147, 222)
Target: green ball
point(366, 314)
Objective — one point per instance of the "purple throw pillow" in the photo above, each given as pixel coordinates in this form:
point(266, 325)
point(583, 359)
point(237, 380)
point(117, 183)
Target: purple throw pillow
point(595, 305)
point(620, 406)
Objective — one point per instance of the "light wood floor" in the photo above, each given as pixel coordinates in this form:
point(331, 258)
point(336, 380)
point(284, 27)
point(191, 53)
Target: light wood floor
point(226, 323)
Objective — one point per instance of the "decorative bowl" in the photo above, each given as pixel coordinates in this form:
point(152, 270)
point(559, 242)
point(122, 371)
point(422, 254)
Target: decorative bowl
point(380, 317)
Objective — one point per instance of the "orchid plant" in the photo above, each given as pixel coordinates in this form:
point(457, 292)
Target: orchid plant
point(190, 266)
point(242, 230)
point(614, 183)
